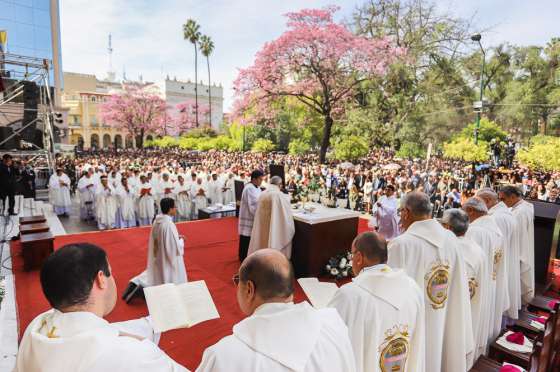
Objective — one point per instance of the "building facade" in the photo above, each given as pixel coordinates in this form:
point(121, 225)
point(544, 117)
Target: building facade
point(176, 91)
point(84, 93)
point(33, 30)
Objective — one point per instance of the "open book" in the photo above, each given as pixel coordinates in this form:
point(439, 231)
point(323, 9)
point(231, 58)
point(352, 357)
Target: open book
point(318, 293)
point(174, 306)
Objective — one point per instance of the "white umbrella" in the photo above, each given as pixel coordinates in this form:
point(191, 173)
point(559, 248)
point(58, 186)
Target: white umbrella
point(392, 166)
point(347, 165)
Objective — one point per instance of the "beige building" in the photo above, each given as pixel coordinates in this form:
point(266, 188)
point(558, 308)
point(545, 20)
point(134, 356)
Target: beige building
point(84, 93)
point(81, 98)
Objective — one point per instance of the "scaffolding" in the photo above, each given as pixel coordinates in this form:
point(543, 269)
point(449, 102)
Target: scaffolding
point(16, 71)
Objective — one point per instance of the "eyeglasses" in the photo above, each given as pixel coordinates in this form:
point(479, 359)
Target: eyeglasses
point(235, 280)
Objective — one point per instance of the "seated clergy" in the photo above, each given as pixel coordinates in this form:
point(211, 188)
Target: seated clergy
point(73, 336)
point(383, 309)
point(478, 278)
point(273, 226)
point(166, 248)
point(278, 335)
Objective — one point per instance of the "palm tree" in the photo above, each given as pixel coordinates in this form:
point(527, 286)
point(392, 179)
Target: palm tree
point(206, 48)
point(191, 33)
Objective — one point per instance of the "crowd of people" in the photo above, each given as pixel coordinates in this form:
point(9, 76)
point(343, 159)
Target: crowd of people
point(122, 188)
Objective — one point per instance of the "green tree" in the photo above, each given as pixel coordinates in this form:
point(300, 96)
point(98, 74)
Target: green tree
point(191, 32)
point(488, 131)
point(298, 147)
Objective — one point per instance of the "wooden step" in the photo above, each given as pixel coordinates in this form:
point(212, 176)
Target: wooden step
point(32, 220)
point(33, 228)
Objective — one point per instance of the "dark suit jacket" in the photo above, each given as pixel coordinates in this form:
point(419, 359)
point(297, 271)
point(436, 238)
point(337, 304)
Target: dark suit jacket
point(7, 179)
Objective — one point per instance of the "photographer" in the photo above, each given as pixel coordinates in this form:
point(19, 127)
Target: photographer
point(8, 182)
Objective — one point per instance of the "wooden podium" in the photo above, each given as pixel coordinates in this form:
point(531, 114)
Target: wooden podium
point(321, 235)
point(36, 248)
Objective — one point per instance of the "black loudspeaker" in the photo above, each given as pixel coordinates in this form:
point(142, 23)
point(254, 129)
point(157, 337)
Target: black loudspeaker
point(239, 186)
point(278, 170)
point(30, 108)
point(12, 143)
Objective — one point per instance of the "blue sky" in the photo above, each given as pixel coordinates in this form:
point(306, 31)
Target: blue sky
point(147, 35)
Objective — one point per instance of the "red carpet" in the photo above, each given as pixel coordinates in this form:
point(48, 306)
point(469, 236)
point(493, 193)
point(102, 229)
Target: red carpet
point(210, 255)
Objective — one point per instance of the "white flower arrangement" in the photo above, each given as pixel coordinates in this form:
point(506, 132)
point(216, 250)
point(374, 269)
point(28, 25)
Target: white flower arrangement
point(340, 266)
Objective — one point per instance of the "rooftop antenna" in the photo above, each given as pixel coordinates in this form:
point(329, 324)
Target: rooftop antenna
point(111, 72)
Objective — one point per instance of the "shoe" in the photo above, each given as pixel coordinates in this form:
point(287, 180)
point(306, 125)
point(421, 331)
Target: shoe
point(13, 214)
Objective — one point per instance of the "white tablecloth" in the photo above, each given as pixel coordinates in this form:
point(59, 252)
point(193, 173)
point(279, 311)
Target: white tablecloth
point(323, 214)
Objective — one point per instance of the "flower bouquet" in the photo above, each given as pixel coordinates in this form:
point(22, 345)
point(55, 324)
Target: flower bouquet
point(340, 266)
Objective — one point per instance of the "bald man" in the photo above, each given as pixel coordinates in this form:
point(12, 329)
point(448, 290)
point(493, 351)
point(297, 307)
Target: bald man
point(430, 255)
point(508, 226)
point(278, 335)
point(273, 226)
point(485, 232)
point(383, 309)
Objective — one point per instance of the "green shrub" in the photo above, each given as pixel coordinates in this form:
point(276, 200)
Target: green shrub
point(411, 150)
point(298, 147)
point(263, 145)
point(351, 148)
point(465, 149)
point(543, 154)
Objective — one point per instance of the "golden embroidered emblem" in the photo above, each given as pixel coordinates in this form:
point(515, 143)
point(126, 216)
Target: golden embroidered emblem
point(437, 283)
point(473, 285)
point(498, 254)
point(393, 352)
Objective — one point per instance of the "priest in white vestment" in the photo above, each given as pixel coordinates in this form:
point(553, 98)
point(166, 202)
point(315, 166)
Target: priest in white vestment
point(183, 199)
point(126, 199)
point(214, 190)
point(228, 191)
point(166, 187)
point(383, 309)
point(166, 249)
point(385, 219)
point(274, 221)
point(430, 255)
point(278, 335)
point(199, 193)
point(457, 221)
point(87, 186)
point(73, 336)
point(508, 226)
point(524, 214)
point(105, 205)
point(59, 191)
point(146, 206)
point(247, 210)
point(485, 232)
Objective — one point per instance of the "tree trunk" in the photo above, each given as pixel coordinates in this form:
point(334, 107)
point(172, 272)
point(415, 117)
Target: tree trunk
point(140, 139)
point(196, 83)
point(326, 138)
point(209, 93)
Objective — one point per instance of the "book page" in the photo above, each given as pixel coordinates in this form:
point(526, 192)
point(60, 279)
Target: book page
point(166, 307)
point(318, 293)
point(197, 301)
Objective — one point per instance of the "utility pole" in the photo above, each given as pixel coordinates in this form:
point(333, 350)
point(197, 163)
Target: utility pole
point(477, 38)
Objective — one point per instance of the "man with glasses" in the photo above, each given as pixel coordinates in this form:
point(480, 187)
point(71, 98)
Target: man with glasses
point(383, 309)
point(277, 334)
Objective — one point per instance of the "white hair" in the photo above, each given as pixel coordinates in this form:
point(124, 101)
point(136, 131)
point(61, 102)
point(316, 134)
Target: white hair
point(487, 192)
point(457, 220)
point(476, 204)
point(276, 180)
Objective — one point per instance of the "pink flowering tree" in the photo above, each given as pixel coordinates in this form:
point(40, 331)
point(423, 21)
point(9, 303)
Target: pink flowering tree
point(186, 118)
point(136, 110)
point(318, 61)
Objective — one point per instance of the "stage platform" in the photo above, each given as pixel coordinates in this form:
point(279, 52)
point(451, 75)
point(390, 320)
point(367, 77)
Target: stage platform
point(210, 255)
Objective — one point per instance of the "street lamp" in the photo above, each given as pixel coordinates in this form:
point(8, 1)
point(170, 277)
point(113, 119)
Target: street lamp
point(476, 38)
